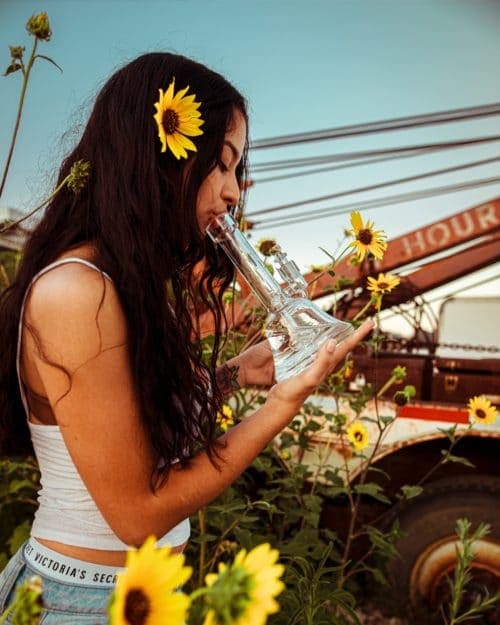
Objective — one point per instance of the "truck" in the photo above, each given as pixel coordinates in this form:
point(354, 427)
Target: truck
point(449, 364)
point(456, 360)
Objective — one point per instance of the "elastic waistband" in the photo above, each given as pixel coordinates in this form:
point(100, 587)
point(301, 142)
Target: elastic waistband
point(60, 568)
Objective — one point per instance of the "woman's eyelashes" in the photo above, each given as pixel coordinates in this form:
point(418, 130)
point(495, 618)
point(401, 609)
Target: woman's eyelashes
point(223, 167)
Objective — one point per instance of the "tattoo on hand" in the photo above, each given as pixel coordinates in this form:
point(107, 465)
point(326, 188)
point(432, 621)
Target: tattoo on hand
point(227, 379)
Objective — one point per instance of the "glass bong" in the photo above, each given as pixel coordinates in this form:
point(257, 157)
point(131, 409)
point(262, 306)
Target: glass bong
point(295, 326)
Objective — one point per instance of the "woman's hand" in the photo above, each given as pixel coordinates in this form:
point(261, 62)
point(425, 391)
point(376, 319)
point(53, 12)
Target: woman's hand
point(253, 367)
point(294, 391)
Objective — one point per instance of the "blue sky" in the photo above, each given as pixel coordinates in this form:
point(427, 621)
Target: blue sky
point(302, 65)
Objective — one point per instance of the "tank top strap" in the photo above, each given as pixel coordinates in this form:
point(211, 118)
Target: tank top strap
point(62, 261)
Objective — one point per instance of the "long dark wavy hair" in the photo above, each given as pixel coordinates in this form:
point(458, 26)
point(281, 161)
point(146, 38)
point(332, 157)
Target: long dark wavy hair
point(139, 212)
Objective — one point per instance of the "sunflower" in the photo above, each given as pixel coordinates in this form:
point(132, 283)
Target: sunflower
point(225, 417)
point(243, 593)
point(366, 238)
point(383, 284)
point(177, 116)
point(146, 592)
point(267, 247)
point(358, 435)
point(481, 410)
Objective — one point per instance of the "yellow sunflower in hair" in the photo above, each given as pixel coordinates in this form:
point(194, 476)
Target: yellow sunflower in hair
point(481, 410)
point(383, 284)
point(146, 592)
point(366, 239)
point(178, 118)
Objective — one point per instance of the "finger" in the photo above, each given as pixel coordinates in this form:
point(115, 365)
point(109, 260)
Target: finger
point(330, 354)
point(325, 361)
point(351, 341)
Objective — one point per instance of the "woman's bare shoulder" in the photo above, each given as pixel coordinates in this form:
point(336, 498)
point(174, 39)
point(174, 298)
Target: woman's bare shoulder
point(68, 285)
point(72, 300)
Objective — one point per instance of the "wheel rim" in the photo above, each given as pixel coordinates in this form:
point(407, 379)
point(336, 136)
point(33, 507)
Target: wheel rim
point(434, 565)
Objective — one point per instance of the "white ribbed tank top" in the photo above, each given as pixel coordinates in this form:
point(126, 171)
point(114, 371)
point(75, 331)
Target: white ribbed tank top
point(66, 512)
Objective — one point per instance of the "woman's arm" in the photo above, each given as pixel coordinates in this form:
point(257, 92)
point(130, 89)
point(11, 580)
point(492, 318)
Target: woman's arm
point(98, 413)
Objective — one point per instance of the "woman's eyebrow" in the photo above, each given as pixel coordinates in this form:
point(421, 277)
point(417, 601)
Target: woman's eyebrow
point(232, 147)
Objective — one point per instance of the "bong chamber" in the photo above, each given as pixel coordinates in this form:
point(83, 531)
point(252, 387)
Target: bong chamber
point(295, 326)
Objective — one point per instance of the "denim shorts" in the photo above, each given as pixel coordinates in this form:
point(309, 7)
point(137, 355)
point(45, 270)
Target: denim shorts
point(65, 602)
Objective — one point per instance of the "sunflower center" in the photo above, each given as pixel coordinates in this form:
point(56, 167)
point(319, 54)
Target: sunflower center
point(365, 236)
point(480, 414)
point(170, 121)
point(358, 436)
point(383, 286)
point(137, 607)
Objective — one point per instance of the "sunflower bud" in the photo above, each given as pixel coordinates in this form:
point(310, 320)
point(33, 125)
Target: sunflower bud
point(399, 374)
point(400, 398)
point(78, 176)
point(13, 67)
point(16, 52)
point(38, 26)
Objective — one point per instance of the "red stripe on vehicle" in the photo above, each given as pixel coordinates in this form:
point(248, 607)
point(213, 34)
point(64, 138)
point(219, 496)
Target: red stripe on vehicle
point(434, 413)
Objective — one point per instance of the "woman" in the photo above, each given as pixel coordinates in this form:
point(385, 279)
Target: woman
point(107, 382)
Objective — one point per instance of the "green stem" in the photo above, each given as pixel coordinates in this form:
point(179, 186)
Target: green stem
point(354, 502)
point(365, 308)
point(335, 261)
point(51, 196)
point(6, 613)
point(4, 277)
point(203, 546)
point(350, 531)
point(26, 75)
point(387, 385)
point(199, 592)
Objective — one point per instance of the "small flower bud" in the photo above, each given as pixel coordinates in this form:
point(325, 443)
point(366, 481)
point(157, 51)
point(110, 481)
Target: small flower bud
point(13, 67)
point(34, 584)
point(400, 398)
point(267, 247)
point(318, 268)
point(349, 365)
point(38, 26)
point(16, 52)
point(78, 176)
point(399, 373)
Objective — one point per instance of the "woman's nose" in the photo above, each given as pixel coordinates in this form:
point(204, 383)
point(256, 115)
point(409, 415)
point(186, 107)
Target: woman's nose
point(231, 192)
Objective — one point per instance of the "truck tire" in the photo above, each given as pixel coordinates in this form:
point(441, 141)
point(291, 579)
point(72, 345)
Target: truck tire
point(427, 548)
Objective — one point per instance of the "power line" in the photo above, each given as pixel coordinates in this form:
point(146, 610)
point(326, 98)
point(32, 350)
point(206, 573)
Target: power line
point(373, 187)
point(368, 161)
point(320, 170)
point(369, 204)
point(363, 154)
point(398, 123)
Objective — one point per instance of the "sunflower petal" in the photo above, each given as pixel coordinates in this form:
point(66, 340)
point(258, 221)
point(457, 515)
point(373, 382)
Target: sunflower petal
point(356, 221)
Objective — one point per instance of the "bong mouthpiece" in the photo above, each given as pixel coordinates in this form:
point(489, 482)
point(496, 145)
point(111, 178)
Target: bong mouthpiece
point(221, 227)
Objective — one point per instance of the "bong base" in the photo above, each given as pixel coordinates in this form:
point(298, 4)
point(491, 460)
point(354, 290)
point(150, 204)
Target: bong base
point(294, 358)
